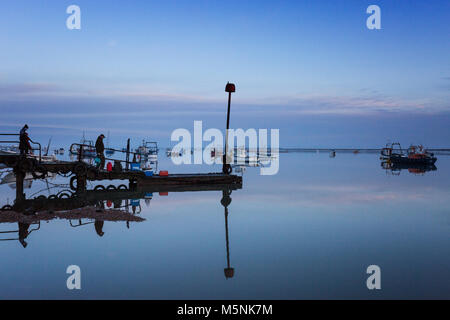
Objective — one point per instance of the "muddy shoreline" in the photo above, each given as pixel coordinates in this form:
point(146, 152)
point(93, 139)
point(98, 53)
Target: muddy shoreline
point(94, 213)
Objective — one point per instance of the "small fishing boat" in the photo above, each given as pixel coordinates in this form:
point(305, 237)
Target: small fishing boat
point(414, 155)
point(148, 151)
point(171, 153)
point(88, 148)
point(59, 151)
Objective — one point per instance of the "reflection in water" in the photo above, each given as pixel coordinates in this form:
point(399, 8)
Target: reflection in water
point(418, 169)
point(91, 206)
point(351, 217)
point(98, 224)
point(23, 232)
point(226, 200)
point(416, 159)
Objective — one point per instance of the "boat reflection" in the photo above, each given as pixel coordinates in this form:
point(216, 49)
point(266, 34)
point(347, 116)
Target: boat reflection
point(394, 168)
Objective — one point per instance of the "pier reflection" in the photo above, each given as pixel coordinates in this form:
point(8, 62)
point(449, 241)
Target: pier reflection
point(97, 206)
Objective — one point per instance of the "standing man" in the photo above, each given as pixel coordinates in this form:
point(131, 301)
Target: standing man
point(24, 141)
point(24, 129)
point(100, 148)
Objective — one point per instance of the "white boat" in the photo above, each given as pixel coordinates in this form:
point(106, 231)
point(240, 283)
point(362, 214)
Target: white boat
point(170, 153)
point(148, 151)
point(10, 179)
point(148, 148)
point(44, 158)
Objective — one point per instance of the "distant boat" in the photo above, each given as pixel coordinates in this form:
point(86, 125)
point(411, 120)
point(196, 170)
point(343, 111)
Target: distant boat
point(148, 151)
point(59, 151)
point(414, 155)
point(88, 148)
point(108, 151)
point(170, 153)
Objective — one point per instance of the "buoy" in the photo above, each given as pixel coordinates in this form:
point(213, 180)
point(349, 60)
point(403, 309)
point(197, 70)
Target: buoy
point(109, 167)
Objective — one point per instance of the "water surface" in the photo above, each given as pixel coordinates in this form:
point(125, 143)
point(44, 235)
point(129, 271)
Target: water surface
point(308, 232)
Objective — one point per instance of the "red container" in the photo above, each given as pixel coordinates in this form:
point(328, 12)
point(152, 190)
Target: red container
point(109, 166)
point(163, 193)
point(164, 173)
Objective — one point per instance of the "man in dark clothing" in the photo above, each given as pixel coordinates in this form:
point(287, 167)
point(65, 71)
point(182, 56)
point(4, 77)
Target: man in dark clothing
point(100, 148)
point(24, 129)
point(24, 141)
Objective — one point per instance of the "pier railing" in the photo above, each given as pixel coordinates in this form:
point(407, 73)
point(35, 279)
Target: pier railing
point(15, 141)
point(81, 153)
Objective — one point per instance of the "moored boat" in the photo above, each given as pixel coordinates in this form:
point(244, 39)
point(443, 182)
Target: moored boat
point(414, 155)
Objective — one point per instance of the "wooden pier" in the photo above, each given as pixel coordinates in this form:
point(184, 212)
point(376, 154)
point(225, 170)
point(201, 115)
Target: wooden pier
point(82, 172)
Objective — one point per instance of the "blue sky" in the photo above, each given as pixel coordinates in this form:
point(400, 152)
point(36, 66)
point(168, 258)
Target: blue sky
point(310, 68)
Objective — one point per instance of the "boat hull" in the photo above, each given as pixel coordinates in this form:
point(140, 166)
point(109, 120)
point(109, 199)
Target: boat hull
point(413, 161)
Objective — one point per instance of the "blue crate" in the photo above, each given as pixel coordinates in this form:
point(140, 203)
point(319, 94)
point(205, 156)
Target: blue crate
point(135, 167)
point(149, 173)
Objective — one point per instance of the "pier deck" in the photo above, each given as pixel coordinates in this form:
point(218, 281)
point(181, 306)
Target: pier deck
point(82, 172)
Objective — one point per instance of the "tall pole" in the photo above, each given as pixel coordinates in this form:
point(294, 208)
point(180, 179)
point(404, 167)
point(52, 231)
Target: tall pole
point(128, 154)
point(226, 168)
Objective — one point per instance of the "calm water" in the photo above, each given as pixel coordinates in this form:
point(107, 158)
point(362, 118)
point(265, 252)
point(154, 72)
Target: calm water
point(308, 232)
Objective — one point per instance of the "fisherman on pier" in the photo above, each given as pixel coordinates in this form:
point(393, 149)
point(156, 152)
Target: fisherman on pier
point(24, 141)
point(100, 148)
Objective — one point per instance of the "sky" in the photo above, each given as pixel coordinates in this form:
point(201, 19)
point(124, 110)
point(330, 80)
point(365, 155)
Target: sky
point(312, 69)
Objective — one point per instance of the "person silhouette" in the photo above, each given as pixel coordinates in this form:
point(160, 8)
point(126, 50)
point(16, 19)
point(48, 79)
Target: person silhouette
point(23, 233)
point(24, 141)
point(98, 224)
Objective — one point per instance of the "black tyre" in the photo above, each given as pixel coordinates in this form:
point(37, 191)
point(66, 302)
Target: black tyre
point(73, 185)
point(64, 195)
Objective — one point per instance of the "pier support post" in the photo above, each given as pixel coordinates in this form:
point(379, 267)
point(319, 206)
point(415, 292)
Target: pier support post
point(81, 183)
point(20, 176)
